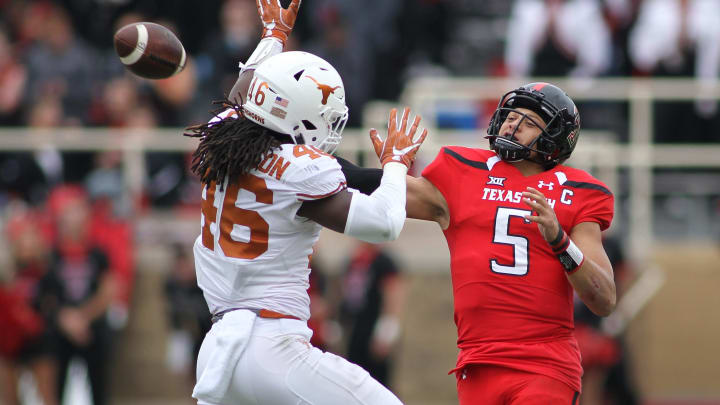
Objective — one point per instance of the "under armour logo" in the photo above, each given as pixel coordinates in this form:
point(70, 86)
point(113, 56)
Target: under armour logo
point(326, 90)
point(496, 181)
point(542, 184)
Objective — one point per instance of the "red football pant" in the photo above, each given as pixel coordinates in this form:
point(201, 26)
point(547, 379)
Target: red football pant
point(481, 384)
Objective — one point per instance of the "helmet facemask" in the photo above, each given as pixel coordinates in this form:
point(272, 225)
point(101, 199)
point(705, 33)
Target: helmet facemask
point(507, 146)
point(548, 145)
point(335, 121)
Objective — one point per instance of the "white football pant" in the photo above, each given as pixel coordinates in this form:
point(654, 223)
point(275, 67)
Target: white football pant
point(279, 366)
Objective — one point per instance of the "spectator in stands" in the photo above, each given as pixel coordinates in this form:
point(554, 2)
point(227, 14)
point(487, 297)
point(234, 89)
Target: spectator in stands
point(217, 65)
point(124, 103)
point(120, 106)
point(419, 45)
point(372, 302)
point(26, 21)
point(117, 101)
point(173, 97)
point(27, 175)
point(61, 65)
point(13, 79)
point(557, 38)
point(680, 38)
point(667, 30)
point(574, 38)
point(24, 341)
point(79, 288)
point(61, 74)
point(111, 229)
point(334, 37)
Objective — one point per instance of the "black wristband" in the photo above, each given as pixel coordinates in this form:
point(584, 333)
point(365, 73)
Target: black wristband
point(570, 257)
point(558, 238)
point(567, 253)
point(360, 178)
point(567, 262)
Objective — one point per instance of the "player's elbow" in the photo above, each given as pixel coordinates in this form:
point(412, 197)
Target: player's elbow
point(604, 310)
point(373, 220)
point(395, 225)
point(387, 231)
point(602, 304)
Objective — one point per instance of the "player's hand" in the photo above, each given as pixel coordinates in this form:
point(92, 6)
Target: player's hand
point(399, 145)
point(277, 21)
point(543, 214)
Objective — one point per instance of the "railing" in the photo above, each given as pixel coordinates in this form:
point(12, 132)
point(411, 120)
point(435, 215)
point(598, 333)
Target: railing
point(599, 152)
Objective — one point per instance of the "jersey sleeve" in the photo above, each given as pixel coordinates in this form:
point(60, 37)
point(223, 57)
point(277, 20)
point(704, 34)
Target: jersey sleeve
point(599, 207)
point(319, 179)
point(441, 174)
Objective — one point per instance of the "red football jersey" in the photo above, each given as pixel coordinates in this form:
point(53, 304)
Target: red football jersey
point(513, 302)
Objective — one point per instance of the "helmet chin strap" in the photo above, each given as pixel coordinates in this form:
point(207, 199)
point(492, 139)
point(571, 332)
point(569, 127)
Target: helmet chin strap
point(510, 150)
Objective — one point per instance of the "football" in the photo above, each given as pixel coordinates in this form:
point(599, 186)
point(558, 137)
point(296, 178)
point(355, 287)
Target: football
point(150, 50)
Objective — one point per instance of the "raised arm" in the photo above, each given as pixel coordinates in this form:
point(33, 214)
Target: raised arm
point(424, 200)
point(278, 22)
point(379, 216)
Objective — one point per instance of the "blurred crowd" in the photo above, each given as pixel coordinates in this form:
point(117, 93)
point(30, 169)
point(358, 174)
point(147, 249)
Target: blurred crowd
point(623, 38)
point(68, 215)
point(58, 67)
point(68, 291)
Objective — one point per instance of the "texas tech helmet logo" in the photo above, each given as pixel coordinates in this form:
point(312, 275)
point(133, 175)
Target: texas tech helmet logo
point(572, 136)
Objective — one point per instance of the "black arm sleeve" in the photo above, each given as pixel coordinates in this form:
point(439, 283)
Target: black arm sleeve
point(361, 178)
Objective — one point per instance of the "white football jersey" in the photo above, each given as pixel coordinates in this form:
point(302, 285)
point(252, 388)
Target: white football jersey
point(253, 250)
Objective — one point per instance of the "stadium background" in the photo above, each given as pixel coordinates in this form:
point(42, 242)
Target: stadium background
point(70, 113)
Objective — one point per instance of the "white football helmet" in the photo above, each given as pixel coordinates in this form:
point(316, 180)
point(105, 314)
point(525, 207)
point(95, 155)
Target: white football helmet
point(299, 94)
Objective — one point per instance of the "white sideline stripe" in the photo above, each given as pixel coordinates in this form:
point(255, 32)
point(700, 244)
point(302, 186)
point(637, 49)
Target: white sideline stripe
point(139, 47)
point(181, 65)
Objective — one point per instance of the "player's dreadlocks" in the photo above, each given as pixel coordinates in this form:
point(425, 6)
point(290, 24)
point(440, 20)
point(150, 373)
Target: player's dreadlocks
point(231, 146)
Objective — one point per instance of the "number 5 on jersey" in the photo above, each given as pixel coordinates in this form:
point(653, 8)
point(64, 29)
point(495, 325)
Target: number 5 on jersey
point(232, 215)
point(519, 243)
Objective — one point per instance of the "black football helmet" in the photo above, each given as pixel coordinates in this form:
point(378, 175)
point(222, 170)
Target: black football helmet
point(557, 139)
